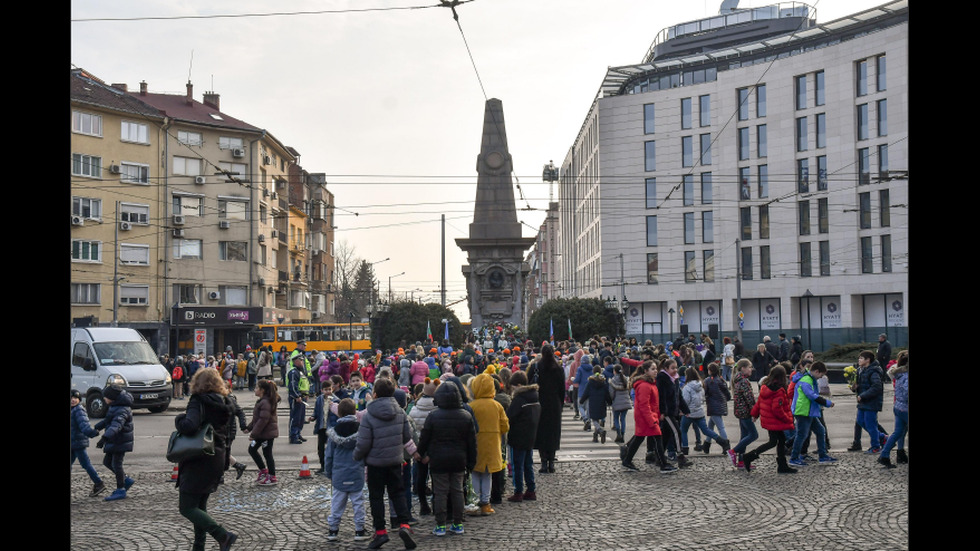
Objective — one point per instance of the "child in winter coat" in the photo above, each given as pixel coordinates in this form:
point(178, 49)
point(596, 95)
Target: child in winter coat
point(774, 408)
point(523, 414)
point(419, 413)
point(596, 395)
point(744, 401)
point(693, 395)
point(807, 404)
point(619, 392)
point(80, 432)
point(492, 423)
point(899, 373)
point(346, 475)
point(117, 439)
point(716, 397)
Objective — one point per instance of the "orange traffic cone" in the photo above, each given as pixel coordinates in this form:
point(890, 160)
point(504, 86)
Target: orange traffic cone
point(173, 477)
point(304, 471)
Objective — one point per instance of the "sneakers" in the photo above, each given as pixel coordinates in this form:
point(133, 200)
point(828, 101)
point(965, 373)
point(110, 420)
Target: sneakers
point(360, 535)
point(667, 468)
point(456, 529)
point(516, 498)
point(229, 539)
point(734, 457)
point(332, 535)
point(378, 540)
point(827, 460)
point(798, 462)
point(263, 474)
point(471, 509)
point(622, 453)
point(902, 457)
point(786, 469)
point(885, 462)
point(530, 496)
point(128, 483)
point(119, 493)
point(855, 447)
point(269, 480)
point(630, 466)
point(405, 533)
point(97, 489)
point(240, 467)
point(874, 451)
point(439, 531)
point(683, 462)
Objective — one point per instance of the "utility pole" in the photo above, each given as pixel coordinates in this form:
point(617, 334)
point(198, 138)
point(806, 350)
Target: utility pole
point(738, 284)
point(443, 290)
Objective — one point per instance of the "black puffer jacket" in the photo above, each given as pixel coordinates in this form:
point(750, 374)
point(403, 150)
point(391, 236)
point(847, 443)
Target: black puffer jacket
point(523, 414)
point(201, 475)
point(118, 425)
point(670, 396)
point(448, 437)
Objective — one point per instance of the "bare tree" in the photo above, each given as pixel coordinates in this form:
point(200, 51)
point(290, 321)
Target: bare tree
point(346, 266)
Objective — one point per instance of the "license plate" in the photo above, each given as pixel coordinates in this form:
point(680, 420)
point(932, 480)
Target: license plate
point(149, 396)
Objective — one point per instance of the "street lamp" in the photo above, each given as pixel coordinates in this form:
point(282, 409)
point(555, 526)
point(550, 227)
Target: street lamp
point(389, 284)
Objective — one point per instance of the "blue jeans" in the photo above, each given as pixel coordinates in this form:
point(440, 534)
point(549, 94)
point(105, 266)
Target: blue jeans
point(619, 420)
point(803, 426)
point(523, 470)
point(749, 434)
point(297, 411)
point(897, 435)
point(868, 419)
point(699, 423)
point(86, 463)
point(726, 371)
point(718, 421)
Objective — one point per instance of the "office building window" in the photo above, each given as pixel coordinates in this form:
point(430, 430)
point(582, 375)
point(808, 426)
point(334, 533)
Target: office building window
point(745, 183)
point(883, 160)
point(862, 77)
point(743, 104)
point(864, 218)
point(824, 247)
point(864, 166)
point(884, 208)
point(803, 175)
point(704, 110)
point(687, 151)
point(708, 226)
point(818, 88)
point(801, 134)
point(709, 265)
point(805, 266)
point(686, 116)
point(651, 185)
point(867, 258)
point(706, 193)
point(746, 263)
point(648, 119)
point(880, 65)
point(763, 221)
point(763, 172)
point(823, 215)
point(743, 144)
point(705, 149)
point(862, 121)
point(821, 120)
point(690, 267)
point(651, 231)
point(745, 222)
point(652, 269)
point(650, 156)
point(803, 215)
point(882, 117)
point(886, 253)
point(760, 100)
point(688, 228)
point(822, 173)
point(765, 268)
point(762, 141)
point(687, 186)
point(800, 83)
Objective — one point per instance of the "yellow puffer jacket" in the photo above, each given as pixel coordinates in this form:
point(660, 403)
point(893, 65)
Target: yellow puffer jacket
point(492, 420)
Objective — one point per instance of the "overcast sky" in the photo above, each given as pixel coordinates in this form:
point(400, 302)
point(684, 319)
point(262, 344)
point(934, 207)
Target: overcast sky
point(386, 101)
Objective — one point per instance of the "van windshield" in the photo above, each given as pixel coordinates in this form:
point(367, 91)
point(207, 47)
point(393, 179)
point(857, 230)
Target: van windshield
point(125, 353)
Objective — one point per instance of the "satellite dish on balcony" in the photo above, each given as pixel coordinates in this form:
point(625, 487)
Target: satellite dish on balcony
point(728, 6)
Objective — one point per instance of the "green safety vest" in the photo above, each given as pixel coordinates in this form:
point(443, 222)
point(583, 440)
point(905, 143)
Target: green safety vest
point(304, 382)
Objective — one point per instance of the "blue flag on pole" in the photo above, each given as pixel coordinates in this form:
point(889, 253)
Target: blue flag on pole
point(569, 328)
point(446, 335)
point(428, 330)
point(552, 333)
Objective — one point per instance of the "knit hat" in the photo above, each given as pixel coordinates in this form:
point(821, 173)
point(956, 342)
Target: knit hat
point(429, 387)
point(112, 392)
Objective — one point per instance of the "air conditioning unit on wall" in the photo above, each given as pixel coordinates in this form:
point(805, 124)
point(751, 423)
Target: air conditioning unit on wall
point(214, 295)
point(200, 180)
point(125, 226)
point(77, 221)
point(237, 153)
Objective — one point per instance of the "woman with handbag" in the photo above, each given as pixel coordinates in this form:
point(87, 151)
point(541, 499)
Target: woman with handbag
point(199, 476)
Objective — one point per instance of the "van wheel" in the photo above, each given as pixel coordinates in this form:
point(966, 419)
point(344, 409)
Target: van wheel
point(95, 405)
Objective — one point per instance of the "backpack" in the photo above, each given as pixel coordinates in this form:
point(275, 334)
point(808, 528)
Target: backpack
point(178, 373)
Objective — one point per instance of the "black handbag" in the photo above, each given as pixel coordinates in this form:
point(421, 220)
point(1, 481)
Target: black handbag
point(182, 447)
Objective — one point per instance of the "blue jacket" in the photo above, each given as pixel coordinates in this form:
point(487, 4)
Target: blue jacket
point(345, 474)
point(596, 394)
point(901, 377)
point(582, 375)
point(81, 431)
point(118, 425)
point(806, 392)
point(871, 387)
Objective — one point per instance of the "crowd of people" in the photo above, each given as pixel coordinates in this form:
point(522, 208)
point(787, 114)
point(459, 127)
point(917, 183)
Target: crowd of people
point(444, 427)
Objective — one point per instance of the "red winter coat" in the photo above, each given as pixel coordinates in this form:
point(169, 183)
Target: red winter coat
point(646, 411)
point(774, 408)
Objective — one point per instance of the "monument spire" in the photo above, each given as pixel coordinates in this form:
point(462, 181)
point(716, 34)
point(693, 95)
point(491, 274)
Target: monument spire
point(495, 213)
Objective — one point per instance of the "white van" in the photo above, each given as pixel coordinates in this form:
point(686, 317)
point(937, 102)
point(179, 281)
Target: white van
point(118, 356)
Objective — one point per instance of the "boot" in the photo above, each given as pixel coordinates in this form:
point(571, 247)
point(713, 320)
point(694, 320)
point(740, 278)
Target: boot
point(886, 462)
point(725, 445)
point(704, 447)
point(602, 436)
point(683, 461)
point(902, 457)
point(747, 459)
point(685, 450)
point(587, 427)
point(551, 466)
point(595, 437)
point(783, 467)
point(652, 459)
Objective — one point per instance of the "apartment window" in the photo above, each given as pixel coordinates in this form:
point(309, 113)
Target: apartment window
point(883, 160)
point(688, 228)
point(187, 166)
point(709, 265)
point(821, 120)
point(651, 192)
point(824, 248)
point(763, 171)
point(190, 138)
point(803, 216)
point(687, 151)
point(134, 213)
point(762, 140)
point(760, 100)
point(823, 215)
point(135, 132)
point(87, 208)
point(188, 205)
point(864, 200)
point(86, 293)
point(229, 209)
point(745, 222)
point(886, 253)
point(653, 269)
point(864, 166)
point(882, 108)
point(690, 268)
point(705, 149)
point(880, 64)
point(803, 175)
point(233, 250)
point(806, 269)
point(884, 208)
point(822, 173)
point(86, 251)
point(651, 231)
point(704, 110)
point(134, 173)
point(686, 117)
point(187, 248)
point(763, 221)
point(134, 254)
point(706, 193)
point(800, 83)
point(743, 144)
point(862, 121)
point(86, 165)
point(234, 169)
point(708, 226)
point(862, 77)
point(134, 295)
point(86, 123)
point(743, 104)
point(228, 142)
point(648, 119)
point(765, 267)
point(744, 179)
point(818, 91)
point(746, 262)
point(650, 156)
point(233, 296)
point(801, 134)
point(187, 294)
point(867, 260)
point(687, 186)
